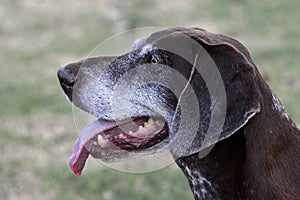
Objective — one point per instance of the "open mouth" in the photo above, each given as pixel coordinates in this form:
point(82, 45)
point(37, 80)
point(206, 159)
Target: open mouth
point(102, 136)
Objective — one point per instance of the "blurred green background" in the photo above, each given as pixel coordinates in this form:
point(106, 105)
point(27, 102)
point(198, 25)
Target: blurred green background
point(36, 127)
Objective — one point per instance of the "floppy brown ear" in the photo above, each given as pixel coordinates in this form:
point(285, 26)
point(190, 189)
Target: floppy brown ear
point(224, 81)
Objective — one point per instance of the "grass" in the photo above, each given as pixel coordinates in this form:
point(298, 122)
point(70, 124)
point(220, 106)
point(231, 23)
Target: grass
point(36, 127)
point(111, 184)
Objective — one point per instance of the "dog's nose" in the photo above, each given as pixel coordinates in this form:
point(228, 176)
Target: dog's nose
point(67, 77)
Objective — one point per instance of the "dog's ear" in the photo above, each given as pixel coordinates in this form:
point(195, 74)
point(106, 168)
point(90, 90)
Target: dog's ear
point(223, 80)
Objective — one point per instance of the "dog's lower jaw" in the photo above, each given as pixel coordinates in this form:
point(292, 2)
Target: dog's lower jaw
point(260, 161)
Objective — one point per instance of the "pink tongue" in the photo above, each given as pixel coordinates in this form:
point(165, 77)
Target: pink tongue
point(80, 153)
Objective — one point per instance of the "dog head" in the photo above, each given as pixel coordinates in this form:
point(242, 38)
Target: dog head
point(179, 89)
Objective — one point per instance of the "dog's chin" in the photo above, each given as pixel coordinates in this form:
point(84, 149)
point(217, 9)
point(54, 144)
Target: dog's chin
point(111, 141)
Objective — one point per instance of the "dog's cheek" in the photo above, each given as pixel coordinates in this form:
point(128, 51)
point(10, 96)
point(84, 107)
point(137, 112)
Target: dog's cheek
point(160, 100)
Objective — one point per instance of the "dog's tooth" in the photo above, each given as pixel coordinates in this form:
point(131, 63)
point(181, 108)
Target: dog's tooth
point(130, 133)
point(150, 121)
point(101, 140)
point(140, 127)
point(147, 125)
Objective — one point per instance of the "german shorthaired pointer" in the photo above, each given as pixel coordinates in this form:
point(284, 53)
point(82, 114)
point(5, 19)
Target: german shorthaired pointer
point(256, 155)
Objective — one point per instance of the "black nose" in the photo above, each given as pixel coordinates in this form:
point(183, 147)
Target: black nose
point(67, 77)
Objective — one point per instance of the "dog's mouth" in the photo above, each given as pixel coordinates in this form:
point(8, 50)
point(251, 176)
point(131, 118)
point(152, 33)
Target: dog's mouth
point(102, 136)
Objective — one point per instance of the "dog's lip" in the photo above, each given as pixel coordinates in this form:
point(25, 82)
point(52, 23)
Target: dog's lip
point(80, 152)
point(111, 135)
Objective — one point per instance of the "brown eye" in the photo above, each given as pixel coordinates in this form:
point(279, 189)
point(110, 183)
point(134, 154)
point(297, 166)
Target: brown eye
point(153, 60)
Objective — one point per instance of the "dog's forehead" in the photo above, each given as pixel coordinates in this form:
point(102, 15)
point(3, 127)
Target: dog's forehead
point(149, 42)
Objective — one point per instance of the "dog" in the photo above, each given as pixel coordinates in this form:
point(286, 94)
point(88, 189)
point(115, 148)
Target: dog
point(190, 91)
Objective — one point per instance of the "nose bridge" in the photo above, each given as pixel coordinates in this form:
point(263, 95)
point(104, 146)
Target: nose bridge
point(68, 74)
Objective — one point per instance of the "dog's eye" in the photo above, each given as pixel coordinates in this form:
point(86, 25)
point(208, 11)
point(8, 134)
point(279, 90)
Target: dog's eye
point(153, 60)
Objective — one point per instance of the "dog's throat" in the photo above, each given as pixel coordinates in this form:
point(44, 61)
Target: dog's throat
point(218, 175)
point(200, 186)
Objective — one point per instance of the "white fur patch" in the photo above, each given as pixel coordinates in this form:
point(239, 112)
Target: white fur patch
point(145, 50)
point(279, 107)
point(200, 185)
point(138, 43)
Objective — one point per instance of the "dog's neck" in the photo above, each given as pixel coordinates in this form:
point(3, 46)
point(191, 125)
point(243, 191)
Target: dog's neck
point(271, 169)
point(260, 161)
point(218, 175)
